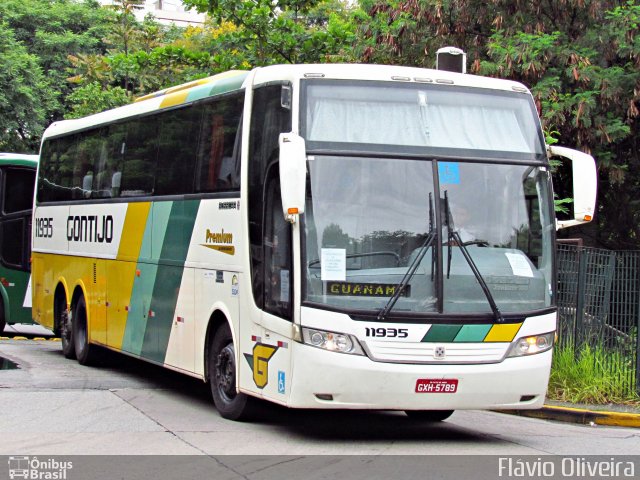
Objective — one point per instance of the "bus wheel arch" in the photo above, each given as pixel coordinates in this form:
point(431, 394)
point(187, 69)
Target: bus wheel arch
point(222, 371)
point(217, 320)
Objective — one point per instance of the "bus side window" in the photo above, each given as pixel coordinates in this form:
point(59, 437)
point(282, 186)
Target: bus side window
point(18, 190)
point(178, 134)
point(219, 153)
point(140, 151)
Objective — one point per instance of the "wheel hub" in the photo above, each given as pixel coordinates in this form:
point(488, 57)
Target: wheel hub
point(226, 373)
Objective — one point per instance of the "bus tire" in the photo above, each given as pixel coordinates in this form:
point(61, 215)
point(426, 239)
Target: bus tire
point(3, 322)
point(429, 415)
point(85, 352)
point(231, 404)
point(66, 334)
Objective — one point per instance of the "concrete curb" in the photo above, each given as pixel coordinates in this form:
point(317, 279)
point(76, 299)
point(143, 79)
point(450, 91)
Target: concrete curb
point(581, 416)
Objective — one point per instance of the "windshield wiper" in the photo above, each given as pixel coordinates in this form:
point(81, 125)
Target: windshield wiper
point(454, 236)
point(428, 241)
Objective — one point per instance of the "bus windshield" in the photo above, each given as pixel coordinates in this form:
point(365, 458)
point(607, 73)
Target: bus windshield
point(422, 119)
point(367, 219)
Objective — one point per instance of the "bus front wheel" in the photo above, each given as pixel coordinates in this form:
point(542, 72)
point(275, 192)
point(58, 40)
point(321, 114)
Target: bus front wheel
point(429, 415)
point(85, 352)
point(222, 377)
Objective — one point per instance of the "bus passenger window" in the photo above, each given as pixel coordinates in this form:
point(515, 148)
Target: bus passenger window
point(178, 143)
point(139, 158)
point(18, 189)
point(219, 151)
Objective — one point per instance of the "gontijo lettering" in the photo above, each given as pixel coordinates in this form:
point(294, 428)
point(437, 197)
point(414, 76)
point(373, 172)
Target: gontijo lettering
point(90, 228)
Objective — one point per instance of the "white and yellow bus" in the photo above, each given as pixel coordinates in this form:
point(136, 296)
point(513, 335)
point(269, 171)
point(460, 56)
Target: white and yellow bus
point(319, 236)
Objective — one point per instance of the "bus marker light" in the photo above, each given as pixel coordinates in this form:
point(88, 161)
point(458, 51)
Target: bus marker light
point(292, 211)
point(137, 273)
point(588, 218)
point(180, 319)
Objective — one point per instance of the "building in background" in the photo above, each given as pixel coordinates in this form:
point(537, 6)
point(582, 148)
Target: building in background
point(166, 12)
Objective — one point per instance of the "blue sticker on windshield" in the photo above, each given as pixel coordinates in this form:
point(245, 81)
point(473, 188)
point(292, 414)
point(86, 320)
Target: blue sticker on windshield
point(449, 173)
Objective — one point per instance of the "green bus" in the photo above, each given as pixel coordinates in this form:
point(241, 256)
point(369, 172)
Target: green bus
point(17, 180)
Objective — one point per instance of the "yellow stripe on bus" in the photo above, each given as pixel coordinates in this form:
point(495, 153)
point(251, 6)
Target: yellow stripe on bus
point(503, 333)
point(121, 274)
point(133, 230)
point(174, 99)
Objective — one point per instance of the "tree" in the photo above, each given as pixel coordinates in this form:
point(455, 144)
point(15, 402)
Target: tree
point(51, 30)
point(24, 98)
point(285, 31)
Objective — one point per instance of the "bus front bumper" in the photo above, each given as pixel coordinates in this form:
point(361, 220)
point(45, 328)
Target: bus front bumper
point(323, 379)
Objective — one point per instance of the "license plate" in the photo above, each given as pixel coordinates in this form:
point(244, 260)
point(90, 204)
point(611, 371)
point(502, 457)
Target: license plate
point(431, 385)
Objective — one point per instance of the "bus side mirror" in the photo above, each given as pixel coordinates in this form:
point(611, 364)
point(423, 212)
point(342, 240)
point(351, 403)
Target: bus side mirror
point(293, 174)
point(585, 185)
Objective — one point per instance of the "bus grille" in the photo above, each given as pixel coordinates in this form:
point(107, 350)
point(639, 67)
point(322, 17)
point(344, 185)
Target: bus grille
point(435, 353)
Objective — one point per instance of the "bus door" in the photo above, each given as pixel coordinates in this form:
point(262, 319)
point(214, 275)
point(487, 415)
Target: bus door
point(266, 347)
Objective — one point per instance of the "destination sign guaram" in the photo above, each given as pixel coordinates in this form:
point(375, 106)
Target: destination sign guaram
point(358, 289)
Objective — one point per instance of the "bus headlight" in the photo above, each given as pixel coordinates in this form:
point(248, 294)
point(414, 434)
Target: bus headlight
point(531, 345)
point(332, 341)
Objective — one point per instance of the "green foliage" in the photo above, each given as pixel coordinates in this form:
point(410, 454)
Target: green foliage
point(47, 31)
point(286, 31)
point(93, 98)
point(583, 377)
point(24, 99)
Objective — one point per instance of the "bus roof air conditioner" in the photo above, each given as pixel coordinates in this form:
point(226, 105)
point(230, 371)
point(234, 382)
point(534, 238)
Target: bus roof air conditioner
point(451, 59)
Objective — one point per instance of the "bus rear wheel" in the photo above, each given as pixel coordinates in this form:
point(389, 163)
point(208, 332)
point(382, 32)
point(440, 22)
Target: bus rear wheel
point(85, 352)
point(3, 322)
point(429, 415)
point(66, 334)
point(230, 403)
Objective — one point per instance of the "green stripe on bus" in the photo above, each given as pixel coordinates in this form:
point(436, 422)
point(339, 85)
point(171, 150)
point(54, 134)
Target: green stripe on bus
point(472, 333)
point(169, 277)
point(140, 293)
point(442, 333)
point(223, 85)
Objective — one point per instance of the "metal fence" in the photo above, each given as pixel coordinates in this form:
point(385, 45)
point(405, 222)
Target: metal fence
point(599, 306)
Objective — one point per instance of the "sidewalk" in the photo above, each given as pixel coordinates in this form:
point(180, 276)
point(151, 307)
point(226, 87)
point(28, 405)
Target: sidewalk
point(609, 415)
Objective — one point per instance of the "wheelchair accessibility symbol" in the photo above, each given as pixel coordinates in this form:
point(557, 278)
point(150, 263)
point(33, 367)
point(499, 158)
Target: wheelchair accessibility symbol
point(281, 382)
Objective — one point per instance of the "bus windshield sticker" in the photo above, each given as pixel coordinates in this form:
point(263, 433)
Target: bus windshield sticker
point(449, 173)
point(359, 289)
point(519, 265)
point(284, 285)
point(333, 264)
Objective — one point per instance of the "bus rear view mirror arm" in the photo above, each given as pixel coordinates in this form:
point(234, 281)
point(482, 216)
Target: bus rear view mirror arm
point(585, 184)
point(293, 174)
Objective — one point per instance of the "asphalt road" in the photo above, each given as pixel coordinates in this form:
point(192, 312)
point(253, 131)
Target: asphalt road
point(55, 406)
